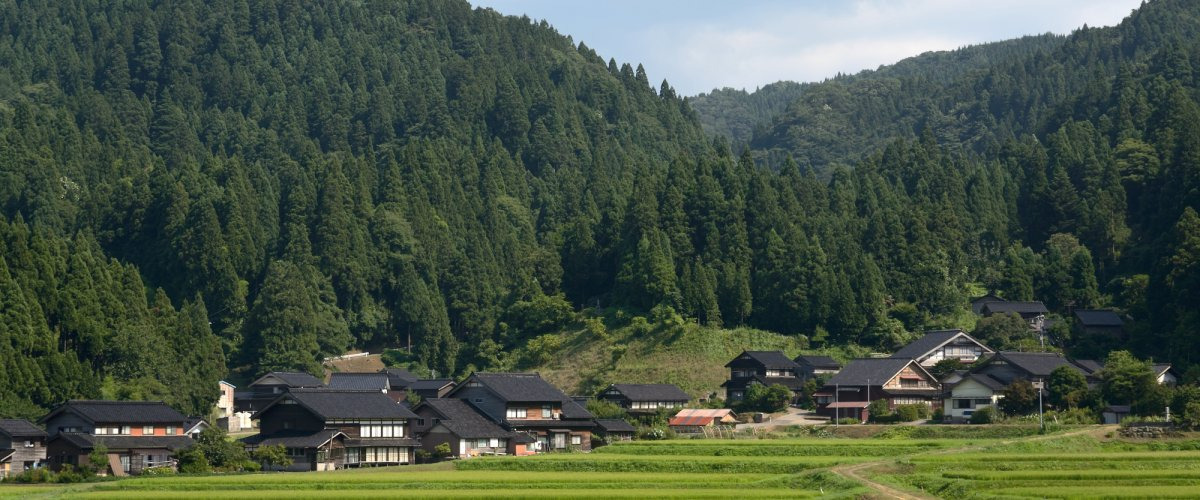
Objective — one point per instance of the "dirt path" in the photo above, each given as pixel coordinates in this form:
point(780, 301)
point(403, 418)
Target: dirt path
point(856, 472)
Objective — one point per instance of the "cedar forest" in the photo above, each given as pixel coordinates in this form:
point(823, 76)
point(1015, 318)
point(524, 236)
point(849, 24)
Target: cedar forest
point(193, 191)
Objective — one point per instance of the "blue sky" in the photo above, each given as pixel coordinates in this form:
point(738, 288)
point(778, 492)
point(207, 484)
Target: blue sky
point(699, 45)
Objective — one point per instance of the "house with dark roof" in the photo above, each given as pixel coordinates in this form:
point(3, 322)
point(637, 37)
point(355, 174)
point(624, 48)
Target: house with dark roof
point(1098, 323)
point(969, 393)
point(268, 387)
point(612, 430)
point(431, 388)
point(193, 426)
point(1164, 374)
point(525, 403)
point(467, 431)
point(899, 381)
point(977, 303)
point(22, 446)
point(138, 434)
point(326, 429)
point(937, 345)
point(1008, 367)
point(809, 366)
point(1033, 312)
point(760, 367)
point(645, 398)
point(365, 381)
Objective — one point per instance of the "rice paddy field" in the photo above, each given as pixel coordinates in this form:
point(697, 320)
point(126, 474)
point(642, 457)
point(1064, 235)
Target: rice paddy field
point(1085, 463)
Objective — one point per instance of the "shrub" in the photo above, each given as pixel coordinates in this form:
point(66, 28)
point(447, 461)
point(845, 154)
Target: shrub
point(1019, 398)
point(193, 461)
point(770, 399)
point(442, 450)
point(911, 412)
point(424, 456)
point(602, 408)
point(1191, 415)
point(878, 411)
point(159, 471)
point(275, 455)
point(848, 421)
point(985, 415)
point(939, 415)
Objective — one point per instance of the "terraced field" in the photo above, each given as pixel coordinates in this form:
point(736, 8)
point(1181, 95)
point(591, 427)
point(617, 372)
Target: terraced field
point(1064, 466)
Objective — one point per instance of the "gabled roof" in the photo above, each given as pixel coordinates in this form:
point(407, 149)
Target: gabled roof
point(771, 360)
point(573, 411)
point(932, 340)
point(5, 454)
point(329, 404)
point(650, 392)
point(399, 377)
point(819, 362)
point(982, 379)
point(85, 441)
point(989, 297)
point(874, 371)
point(1160, 369)
point(1037, 364)
point(119, 412)
point(295, 438)
point(290, 379)
point(1035, 307)
point(430, 384)
point(16, 427)
point(701, 417)
point(371, 381)
point(519, 387)
point(1089, 317)
point(464, 420)
point(192, 423)
point(1090, 366)
point(614, 425)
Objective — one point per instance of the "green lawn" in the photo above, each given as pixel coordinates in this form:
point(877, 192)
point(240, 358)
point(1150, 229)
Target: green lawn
point(1072, 466)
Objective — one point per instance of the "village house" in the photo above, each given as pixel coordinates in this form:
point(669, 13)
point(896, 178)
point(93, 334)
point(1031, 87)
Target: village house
point(1098, 324)
point(1164, 374)
point(645, 398)
point(937, 345)
point(137, 434)
point(326, 429)
point(367, 381)
point(968, 393)
point(810, 366)
point(268, 387)
point(696, 421)
point(977, 303)
point(526, 403)
point(898, 381)
point(984, 386)
point(431, 388)
point(465, 430)
point(22, 447)
point(399, 378)
point(760, 367)
point(1033, 312)
point(612, 430)
point(193, 426)
point(227, 417)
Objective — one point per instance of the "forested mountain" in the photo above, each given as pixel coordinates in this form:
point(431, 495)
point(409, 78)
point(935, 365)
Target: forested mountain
point(740, 116)
point(195, 190)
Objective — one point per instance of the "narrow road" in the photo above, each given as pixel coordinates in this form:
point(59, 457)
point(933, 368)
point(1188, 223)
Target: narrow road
point(856, 472)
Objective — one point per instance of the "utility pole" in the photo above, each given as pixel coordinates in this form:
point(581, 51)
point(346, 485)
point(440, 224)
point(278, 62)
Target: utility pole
point(837, 412)
point(1039, 385)
point(868, 398)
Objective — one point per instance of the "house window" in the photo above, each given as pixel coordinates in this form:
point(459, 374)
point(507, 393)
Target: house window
point(381, 430)
point(481, 443)
point(421, 422)
point(170, 430)
point(547, 411)
point(516, 413)
point(912, 382)
point(576, 439)
point(148, 430)
point(68, 429)
point(495, 443)
point(963, 404)
point(28, 444)
point(100, 431)
point(126, 430)
point(982, 402)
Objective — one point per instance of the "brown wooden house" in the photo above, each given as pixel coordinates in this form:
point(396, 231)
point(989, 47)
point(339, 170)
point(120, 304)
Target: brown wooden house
point(760, 367)
point(525, 403)
point(898, 381)
point(22, 446)
point(467, 431)
point(645, 398)
point(138, 434)
point(326, 429)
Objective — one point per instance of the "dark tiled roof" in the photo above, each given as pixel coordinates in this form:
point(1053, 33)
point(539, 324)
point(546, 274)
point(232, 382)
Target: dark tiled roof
point(120, 412)
point(1089, 365)
point(355, 442)
point(990, 297)
point(1098, 318)
point(464, 421)
point(23, 428)
point(982, 379)
point(192, 422)
point(1037, 364)
point(614, 425)
point(651, 392)
point(819, 362)
point(772, 360)
point(373, 381)
point(573, 410)
point(5, 454)
point(399, 377)
point(875, 371)
point(430, 384)
point(1159, 369)
point(115, 443)
point(520, 387)
point(293, 379)
point(1035, 307)
point(930, 341)
point(333, 404)
point(294, 438)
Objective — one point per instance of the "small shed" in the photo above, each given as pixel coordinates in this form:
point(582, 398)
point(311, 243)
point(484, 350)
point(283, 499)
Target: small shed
point(614, 429)
point(1115, 414)
point(695, 420)
point(850, 409)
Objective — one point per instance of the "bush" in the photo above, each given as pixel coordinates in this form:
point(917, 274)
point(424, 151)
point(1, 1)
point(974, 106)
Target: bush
point(193, 461)
point(159, 471)
point(912, 412)
point(442, 450)
point(985, 415)
point(848, 421)
point(424, 456)
point(656, 433)
point(939, 415)
point(770, 399)
point(1191, 415)
point(879, 412)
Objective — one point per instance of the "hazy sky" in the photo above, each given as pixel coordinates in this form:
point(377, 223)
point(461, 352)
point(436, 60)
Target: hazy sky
point(699, 45)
